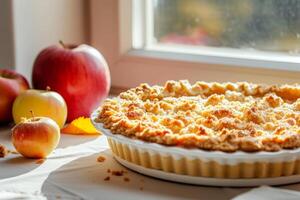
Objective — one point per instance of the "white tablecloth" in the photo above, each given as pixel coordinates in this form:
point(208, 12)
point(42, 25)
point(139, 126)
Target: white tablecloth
point(72, 172)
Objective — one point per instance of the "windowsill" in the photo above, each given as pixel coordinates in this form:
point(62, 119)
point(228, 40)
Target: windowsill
point(223, 56)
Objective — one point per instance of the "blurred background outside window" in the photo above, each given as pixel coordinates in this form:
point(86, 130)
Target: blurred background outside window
point(266, 25)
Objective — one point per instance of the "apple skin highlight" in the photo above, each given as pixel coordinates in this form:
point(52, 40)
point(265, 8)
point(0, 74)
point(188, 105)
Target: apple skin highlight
point(36, 137)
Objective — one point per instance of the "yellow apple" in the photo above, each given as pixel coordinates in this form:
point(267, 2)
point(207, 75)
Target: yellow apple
point(42, 103)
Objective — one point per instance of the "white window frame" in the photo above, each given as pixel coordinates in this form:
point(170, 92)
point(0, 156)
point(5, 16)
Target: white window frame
point(111, 32)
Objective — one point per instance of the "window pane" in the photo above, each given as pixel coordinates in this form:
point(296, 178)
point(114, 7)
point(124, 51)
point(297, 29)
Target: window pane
point(268, 25)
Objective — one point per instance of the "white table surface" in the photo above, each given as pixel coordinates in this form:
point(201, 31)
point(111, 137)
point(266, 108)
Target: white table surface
point(72, 172)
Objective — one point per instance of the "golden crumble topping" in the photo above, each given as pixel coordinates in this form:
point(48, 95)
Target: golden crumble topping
point(210, 116)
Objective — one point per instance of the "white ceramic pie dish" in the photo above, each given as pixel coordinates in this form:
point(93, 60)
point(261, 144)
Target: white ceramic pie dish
point(199, 163)
point(197, 180)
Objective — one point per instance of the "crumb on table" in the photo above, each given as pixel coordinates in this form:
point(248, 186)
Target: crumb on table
point(107, 178)
point(101, 159)
point(40, 161)
point(108, 170)
point(126, 179)
point(118, 172)
point(3, 151)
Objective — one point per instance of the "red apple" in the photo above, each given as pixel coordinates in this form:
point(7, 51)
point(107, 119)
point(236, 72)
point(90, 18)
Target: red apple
point(36, 137)
point(79, 73)
point(11, 85)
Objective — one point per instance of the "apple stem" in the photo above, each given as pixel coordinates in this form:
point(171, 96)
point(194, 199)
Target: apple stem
point(32, 114)
point(48, 88)
point(62, 44)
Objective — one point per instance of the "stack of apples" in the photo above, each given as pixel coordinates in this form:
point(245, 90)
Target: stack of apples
point(69, 82)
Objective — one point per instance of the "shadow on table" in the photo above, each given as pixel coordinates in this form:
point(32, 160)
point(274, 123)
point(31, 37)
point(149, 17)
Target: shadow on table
point(84, 178)
point(16, 165)
point(72, 140)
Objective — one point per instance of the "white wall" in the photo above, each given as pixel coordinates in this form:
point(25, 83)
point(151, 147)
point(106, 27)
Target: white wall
point(38, 24)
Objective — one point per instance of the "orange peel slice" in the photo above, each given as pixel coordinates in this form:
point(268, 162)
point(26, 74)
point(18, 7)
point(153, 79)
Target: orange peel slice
point(80, 126)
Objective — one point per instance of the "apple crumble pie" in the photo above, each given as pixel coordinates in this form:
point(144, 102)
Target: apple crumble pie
point(210, 116)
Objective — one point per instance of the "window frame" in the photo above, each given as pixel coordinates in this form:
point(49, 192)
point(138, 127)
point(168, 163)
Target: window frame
point(155, 66)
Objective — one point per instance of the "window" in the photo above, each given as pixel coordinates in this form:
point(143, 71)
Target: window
point(211, 40)
point(262, 30)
